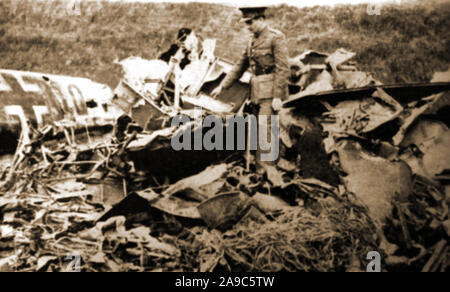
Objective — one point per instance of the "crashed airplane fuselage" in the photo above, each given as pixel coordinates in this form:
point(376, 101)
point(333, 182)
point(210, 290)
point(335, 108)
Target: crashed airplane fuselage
point(44, 99)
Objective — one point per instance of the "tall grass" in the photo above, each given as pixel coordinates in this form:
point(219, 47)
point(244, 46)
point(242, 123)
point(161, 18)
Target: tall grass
point(404, 43)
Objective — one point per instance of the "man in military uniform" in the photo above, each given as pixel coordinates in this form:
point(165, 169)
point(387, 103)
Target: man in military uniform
point(266, 56)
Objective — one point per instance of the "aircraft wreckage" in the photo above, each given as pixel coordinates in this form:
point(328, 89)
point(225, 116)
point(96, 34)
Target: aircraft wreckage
point(347, 140)
point(39, 100)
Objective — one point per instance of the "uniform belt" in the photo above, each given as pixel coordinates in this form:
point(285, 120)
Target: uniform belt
point(263, 71)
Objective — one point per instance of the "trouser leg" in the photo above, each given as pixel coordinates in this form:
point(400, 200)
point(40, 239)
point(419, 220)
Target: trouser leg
point(267, 135)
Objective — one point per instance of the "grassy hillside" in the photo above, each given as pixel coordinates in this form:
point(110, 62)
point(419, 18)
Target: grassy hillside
point(403, 44)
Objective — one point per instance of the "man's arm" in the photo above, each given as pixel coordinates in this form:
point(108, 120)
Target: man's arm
point(281, 72)
point(238, 70)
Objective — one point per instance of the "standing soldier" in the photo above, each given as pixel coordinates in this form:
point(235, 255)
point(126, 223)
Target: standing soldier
point(266, 56)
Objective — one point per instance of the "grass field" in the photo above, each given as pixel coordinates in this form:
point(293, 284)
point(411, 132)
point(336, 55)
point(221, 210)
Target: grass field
point(403, 44)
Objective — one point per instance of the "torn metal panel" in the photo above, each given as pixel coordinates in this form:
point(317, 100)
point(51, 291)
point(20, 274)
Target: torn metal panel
point(209, 175)
point(269, 203)
point(323, 82)
point(348, 78)
point(354, 79)
point(223, 211)
point(340, 56)
point(309, 57)
point(143, 75)
point(428, 151)
point(374, 180)
point(441, 76)
point(208, 103)
point(145, 141)
point(144, 111)
point(410, 117)
point(307, 73)
point(147, 202)
point(437, 105)
point(210, 190)
point(403, 93)
point(234, 96)
point(356, 117)
point(177, 207)
point(274, 176)
point(108, 192)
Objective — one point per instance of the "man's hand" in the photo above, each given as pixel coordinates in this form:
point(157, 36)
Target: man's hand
point(277, 104)
point(216, 92)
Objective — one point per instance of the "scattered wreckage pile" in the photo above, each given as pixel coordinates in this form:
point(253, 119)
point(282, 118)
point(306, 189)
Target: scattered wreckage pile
point(221, 218)
point(365, 167)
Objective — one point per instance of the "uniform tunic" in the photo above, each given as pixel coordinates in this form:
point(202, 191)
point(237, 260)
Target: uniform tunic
point(266, 56)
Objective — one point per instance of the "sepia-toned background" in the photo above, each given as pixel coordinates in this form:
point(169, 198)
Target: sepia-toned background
point(405, 43)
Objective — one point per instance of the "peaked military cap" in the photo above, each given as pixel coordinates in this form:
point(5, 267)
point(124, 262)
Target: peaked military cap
point(252, 12)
